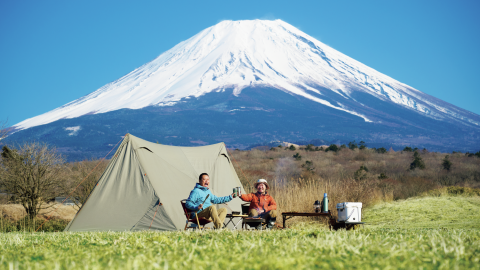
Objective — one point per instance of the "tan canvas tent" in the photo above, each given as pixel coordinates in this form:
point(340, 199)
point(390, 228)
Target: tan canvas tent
point(144, 182)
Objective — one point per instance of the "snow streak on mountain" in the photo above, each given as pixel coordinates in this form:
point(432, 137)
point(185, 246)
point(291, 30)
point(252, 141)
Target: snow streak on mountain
point(240, 54)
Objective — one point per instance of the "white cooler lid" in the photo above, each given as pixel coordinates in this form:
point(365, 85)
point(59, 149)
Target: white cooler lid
point(349, 205)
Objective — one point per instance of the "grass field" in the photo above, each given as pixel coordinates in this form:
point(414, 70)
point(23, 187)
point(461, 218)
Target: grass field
point(302, 248)
point(442, 237)
point(452, 212)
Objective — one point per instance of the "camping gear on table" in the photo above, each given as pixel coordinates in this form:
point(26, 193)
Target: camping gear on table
point(349, 211)
point(144, 181)
point(316, 206)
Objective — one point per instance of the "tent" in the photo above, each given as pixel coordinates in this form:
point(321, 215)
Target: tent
point(144, 182)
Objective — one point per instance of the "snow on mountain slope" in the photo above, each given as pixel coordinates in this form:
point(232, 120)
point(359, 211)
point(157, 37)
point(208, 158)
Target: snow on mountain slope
point(240, 54)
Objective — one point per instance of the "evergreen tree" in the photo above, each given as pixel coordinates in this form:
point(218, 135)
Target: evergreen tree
point(417, 162)
point(352, 145)
point(381, 150)
point(446, 164)
point(362, 145)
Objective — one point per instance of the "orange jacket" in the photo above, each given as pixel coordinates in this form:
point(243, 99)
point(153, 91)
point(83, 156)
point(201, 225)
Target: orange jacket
point(263, 201)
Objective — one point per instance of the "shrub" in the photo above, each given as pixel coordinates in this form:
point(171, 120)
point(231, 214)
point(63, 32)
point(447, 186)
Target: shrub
point(453, 190)
point(308, 166)
point(297, 156)
point(381, 150)
point(382, 176)
point(292, 148)
point(361, 173)
point(310, 148)
point(27, 224)
point(411, 187)
point(333, 148)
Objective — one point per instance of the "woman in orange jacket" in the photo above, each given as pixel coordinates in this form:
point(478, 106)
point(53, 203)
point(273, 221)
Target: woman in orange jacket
point(261, 203)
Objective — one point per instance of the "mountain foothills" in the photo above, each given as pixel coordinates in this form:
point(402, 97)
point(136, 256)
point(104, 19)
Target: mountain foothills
point(248, 83)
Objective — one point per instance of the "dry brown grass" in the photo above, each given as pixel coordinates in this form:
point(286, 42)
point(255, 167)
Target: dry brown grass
point(16, 212)
point(295, 188)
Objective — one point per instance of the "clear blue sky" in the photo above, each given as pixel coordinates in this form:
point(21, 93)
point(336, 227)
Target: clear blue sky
point(53, 52)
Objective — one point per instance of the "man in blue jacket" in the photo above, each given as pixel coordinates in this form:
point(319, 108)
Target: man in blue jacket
point(207, 210)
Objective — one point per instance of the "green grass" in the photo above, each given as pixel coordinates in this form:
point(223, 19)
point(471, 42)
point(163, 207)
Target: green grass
point(303, 248)
point(459, 212)
point(393, 241)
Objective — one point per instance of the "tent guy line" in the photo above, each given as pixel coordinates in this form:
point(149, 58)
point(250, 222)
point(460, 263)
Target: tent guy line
point(236, 163)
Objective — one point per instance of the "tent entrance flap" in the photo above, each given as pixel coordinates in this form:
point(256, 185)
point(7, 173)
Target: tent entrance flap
point(156, 219)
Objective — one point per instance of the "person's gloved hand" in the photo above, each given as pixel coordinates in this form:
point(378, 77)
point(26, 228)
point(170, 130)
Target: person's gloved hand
point(259, 210)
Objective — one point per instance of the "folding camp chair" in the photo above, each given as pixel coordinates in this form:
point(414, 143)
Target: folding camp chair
point(251, 222)
point(199, 222)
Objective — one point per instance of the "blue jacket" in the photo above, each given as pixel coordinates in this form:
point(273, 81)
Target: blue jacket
point(198, 195)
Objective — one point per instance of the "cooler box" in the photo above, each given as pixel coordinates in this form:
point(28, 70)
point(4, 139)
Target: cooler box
point(349, 211)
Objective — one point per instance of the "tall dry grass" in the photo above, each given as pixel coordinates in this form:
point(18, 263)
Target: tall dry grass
point(296, 187)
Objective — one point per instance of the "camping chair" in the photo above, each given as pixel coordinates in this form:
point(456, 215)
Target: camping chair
point(251, 222)
point(200, 222)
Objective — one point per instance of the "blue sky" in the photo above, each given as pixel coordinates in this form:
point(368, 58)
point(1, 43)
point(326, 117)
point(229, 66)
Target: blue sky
point(53, 52)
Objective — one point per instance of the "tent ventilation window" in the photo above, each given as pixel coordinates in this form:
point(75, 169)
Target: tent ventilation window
point(226, 157)
point(147, 149)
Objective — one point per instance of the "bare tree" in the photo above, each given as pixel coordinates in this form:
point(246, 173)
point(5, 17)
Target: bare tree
point(31, 173)
point(82, 178)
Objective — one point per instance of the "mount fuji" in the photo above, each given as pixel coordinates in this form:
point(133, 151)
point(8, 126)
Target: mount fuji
point(253, 82)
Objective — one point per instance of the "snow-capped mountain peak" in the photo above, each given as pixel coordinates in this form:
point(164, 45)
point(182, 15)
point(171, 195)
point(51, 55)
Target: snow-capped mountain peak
point(254, 53)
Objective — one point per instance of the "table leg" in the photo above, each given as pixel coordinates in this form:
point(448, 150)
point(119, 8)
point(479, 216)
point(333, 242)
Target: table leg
point(235, 225)
point(230, 220)
point(284, 222)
